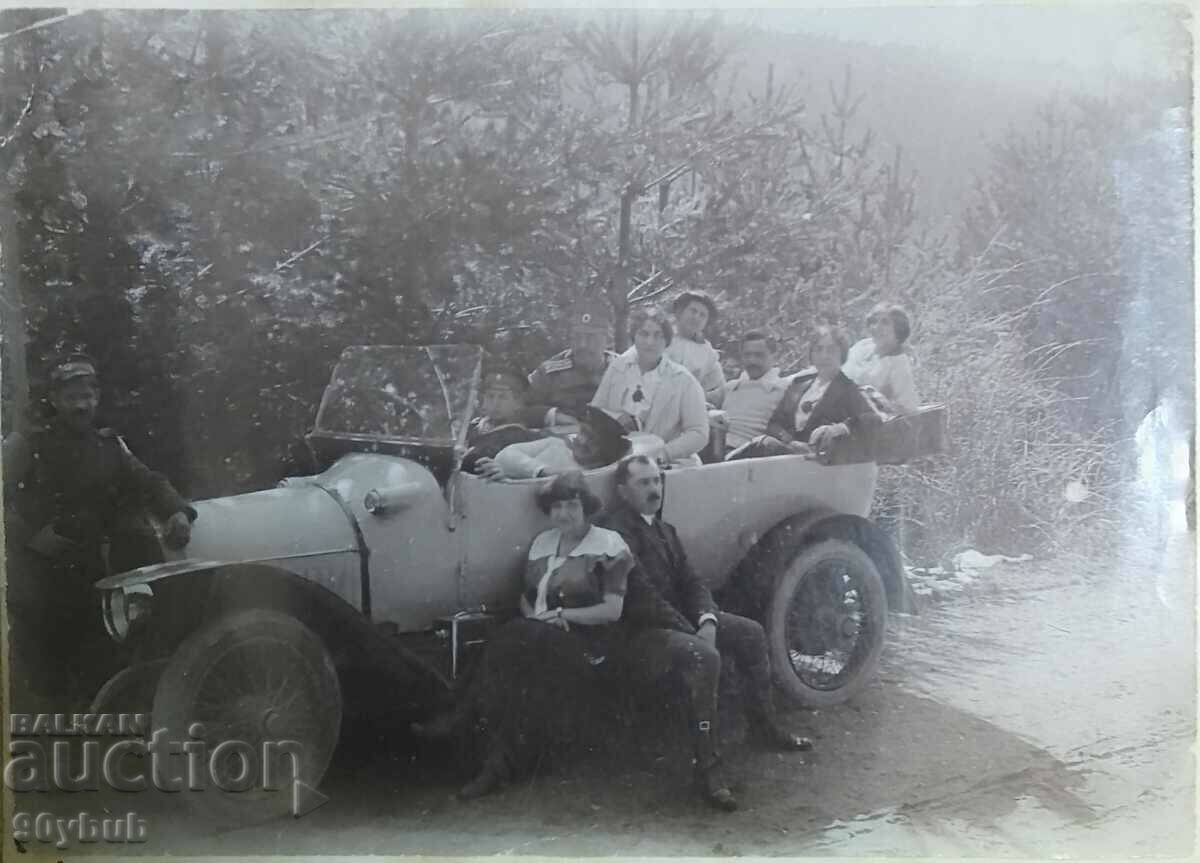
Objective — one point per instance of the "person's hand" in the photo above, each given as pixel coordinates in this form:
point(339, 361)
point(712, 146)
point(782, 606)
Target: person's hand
point(178, 531)
point(488, 468)
point(827, 434)
point(799, 446)
point(553, 616)
point(718, 419)
point(562, 418)
point(49, 544)
point(627, 421)
point(707, 631)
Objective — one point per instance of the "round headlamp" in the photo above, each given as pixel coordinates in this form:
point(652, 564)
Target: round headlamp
point(125, 606)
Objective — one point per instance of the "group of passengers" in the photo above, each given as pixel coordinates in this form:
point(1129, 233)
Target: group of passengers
point(669, 384)
point(611, 597)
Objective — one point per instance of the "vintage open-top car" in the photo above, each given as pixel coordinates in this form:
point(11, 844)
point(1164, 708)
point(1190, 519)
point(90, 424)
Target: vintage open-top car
point(393, 560)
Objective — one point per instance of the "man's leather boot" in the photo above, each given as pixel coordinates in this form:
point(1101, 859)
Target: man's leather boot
point(710, 777)
point(494, 774)
point(764, 719)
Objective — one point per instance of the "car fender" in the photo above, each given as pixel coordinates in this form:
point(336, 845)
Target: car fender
point(188, 593)
point(750, 587)
point(306, 529)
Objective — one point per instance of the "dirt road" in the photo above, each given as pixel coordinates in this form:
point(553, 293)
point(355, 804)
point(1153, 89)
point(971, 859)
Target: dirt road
point(1045, 710)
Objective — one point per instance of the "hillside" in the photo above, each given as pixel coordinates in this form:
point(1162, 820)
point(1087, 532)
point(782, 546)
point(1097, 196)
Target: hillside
point(941, 109)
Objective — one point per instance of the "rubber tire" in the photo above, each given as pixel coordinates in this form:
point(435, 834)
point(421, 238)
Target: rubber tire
point(175, 695)
point(786, 584)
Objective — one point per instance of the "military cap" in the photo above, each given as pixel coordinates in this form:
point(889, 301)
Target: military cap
point(608, 434)
point(601, 424)
point(701, 297)
point(591, 312)
point(71, 366)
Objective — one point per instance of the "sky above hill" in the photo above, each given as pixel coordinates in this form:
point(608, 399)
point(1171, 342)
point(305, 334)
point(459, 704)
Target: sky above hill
point(1086, 39)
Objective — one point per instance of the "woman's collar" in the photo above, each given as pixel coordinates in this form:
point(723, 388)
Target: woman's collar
point(594, 542)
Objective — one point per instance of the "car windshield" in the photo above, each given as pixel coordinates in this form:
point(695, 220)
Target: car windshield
point(411, 394)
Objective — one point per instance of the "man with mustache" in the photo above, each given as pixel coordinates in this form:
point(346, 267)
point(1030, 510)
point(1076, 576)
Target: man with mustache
point(70, 489)
point(751, 398)
point(678, 631)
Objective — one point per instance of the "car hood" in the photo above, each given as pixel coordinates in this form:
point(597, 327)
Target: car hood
point(301, 520)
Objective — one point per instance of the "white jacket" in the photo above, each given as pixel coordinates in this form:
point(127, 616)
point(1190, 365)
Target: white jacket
point(677, 412)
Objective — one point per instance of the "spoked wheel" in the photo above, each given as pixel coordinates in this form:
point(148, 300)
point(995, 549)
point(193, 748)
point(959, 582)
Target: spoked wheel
point(825, 625)
point(257, 688)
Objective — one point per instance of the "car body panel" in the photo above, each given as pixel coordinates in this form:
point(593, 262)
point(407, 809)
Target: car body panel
point(721, 510)
point(301, 528)
point(446, 552)
point(413, 553)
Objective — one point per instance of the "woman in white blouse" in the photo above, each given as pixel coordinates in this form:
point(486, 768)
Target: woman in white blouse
point(694, 311)
point(536, 680)
point(646, 391)
point(881, 361)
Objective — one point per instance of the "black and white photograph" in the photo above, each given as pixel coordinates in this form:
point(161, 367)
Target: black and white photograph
point(593, 432)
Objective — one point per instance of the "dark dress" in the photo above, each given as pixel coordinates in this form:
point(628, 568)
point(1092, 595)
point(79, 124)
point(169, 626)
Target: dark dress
point(535, 685)
point(841, 402)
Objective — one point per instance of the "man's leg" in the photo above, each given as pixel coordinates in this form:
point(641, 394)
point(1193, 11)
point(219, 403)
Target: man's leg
point(745, 641)
point(654, 654)
point(37, 671)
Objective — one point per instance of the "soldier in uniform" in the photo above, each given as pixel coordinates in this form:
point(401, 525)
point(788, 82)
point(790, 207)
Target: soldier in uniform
point(71, 491)
point(501, 421)
point(562, 386)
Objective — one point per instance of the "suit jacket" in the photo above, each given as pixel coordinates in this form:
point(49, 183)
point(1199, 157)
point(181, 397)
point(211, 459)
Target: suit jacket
point(842, 402)
point(664, 591)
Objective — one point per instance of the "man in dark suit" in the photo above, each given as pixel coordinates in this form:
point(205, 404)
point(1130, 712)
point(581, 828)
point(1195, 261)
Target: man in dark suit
point(678, 630)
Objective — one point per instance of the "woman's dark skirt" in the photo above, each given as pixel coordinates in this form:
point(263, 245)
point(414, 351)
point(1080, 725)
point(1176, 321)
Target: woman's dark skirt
point(536, 697)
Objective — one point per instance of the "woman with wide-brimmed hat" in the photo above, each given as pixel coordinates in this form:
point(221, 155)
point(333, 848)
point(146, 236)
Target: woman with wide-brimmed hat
point(694, 311)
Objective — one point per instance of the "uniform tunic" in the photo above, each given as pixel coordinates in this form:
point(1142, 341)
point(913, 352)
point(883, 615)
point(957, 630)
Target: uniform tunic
point(88, 488)
point(559, 384)
point(85, 485)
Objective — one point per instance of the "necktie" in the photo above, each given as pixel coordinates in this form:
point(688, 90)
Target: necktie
point(663, 543)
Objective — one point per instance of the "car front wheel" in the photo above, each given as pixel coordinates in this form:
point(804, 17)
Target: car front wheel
point(253, 700)
point(825, 623)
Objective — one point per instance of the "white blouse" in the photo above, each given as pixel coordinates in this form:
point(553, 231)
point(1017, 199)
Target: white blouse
point(809, 400)
point(891, 375)
point(638, 389)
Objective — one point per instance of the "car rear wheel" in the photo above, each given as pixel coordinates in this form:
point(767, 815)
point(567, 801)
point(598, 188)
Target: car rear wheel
point(259, 691)
point(826, 623)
